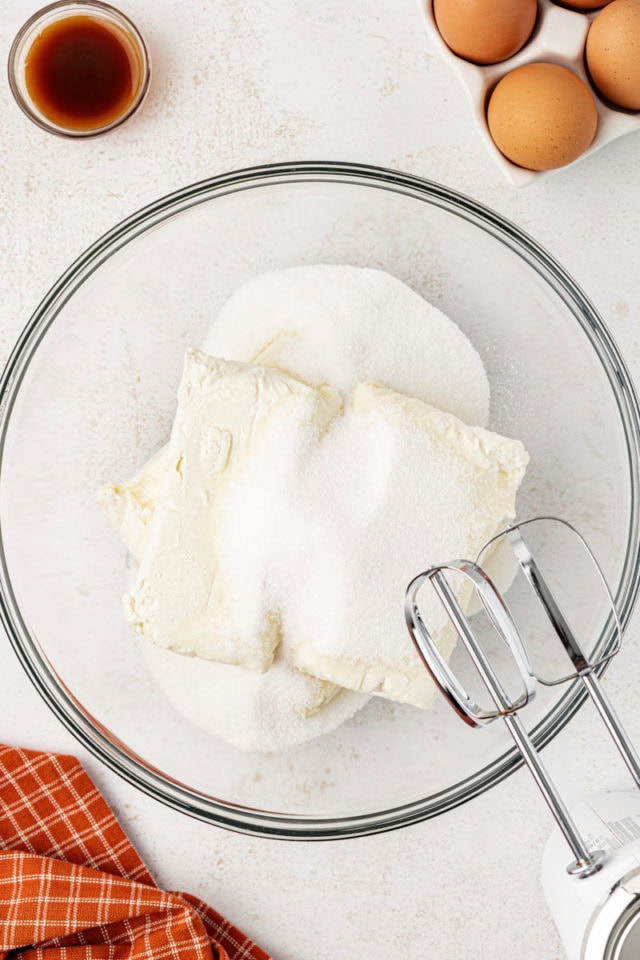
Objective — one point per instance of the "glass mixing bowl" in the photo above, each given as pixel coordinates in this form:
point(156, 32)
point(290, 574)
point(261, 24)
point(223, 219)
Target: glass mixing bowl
point(89, 394)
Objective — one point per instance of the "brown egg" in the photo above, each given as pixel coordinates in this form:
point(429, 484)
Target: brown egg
point(613, 53)
point(542, 116)
point(584, 4)
point(485, 31)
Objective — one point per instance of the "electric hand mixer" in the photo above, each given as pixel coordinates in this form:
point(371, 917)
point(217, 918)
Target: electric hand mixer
point(596, 902)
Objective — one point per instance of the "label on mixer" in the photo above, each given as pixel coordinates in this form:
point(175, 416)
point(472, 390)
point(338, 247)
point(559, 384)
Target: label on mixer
point(612, 820)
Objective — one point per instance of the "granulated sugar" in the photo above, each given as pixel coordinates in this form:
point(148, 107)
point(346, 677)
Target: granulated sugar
point(346, 325)
point(339, 326)
point(251, 711)
point(392, 487)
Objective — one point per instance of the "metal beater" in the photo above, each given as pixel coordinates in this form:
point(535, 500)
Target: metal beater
point(583, 667)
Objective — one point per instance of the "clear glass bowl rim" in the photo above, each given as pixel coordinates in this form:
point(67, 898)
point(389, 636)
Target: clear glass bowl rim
point(98, 740)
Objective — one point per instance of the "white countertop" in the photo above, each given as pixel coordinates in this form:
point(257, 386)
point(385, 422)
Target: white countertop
point(236, 84)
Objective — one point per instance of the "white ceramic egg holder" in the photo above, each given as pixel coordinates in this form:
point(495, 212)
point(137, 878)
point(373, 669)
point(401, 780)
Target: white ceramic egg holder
point(559, 37)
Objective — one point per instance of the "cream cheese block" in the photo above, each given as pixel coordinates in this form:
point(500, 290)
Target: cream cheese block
point(305, 522)
point(406, 519)
point(189, 595)
point(130, 505)
point(278, 708)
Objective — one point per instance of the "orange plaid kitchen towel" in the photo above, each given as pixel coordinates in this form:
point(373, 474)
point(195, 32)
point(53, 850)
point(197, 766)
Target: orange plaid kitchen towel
point(72, 887)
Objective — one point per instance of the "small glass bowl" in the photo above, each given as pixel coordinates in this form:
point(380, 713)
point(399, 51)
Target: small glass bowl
point(54, 13)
